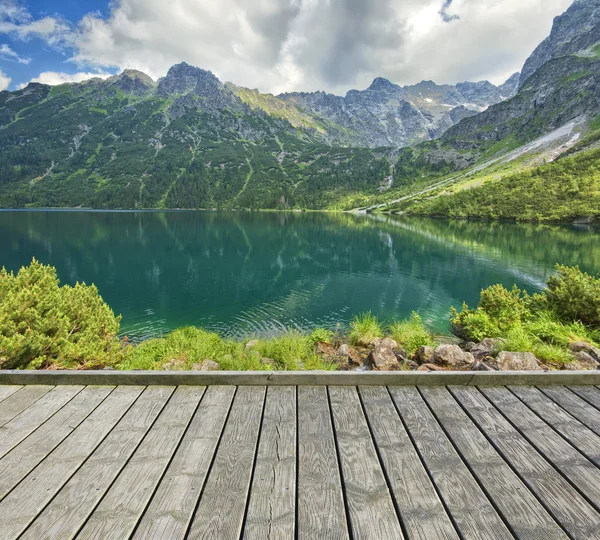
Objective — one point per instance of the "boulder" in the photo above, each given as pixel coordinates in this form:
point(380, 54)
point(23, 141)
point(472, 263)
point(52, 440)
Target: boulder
point(425, 355)
point(453, 356)
point(410, 365)
point(344, 350)
point(357, 358)
point(517, 361)
point(174, 364)
point(251, 344)
point(383, 357)
point(206, 365)
point(325, 349)
point(486, 364)
point(582, 346)
point(488, 347)
point(583, 361)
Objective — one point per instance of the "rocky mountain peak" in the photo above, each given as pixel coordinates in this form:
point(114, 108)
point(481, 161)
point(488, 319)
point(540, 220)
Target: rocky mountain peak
point(184, 79)
point(509, 88)
point(575, 31)
point(381, 84)
point(132, 81)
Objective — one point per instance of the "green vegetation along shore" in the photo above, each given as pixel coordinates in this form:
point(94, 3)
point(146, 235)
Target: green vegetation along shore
point(47, 326)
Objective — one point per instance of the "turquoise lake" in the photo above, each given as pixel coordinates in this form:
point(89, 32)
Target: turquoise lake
point(261, 273)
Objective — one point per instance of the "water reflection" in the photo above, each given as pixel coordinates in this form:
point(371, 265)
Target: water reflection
point(243, 273)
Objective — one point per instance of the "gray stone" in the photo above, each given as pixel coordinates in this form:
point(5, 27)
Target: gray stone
point(206, 365)
point(425, 355)
point(383, 357)
point(517, 361)
point(453, 356)
point(583, 361)
point(582, 346)
point(488, 347)
point(344, 349)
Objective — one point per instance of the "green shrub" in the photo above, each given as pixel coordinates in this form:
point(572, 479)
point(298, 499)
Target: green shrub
point(364, 329)
point(45, 325)
point(546, 326)
point(321, 335)
point(506, 308)
point(473, 325)
point(411, 334)
point(574, 296)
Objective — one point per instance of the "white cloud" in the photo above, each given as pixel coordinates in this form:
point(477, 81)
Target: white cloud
point(8, 54)
point(284, 45)
point(5, 81)
point(54, 77)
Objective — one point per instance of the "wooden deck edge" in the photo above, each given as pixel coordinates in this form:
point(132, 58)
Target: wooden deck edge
point(299, 378)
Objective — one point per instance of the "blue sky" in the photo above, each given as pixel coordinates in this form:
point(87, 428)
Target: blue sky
point(275, 45)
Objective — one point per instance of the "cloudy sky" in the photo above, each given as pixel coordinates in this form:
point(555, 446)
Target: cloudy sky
point(273, 45)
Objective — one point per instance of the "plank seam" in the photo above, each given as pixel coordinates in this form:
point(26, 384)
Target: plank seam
point(515, 471)
point(383, 469)
point(565, 410)
point(469, 468)
point(339, 463)
point(187, 427)
point(209, 470)
point(82, 463)
point(544, 455)
point(32, 403)
point(424, 465)
point(54, 448)
point(254, 459)
point(296, 533)
point(44, 422)
point(584, 398)
point(555, 429)
point(9, 395)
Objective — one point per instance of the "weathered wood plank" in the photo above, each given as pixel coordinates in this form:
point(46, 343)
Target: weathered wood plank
point(16, 403)
point(17, 464)
point(588, 393)
point(321, 511)
point(71, 507)
point(123, 504)
point(9, 390)
point(472, 512)
point(521, 510)
point(220, 513)
point(272, 506)
point(576, 515)
point(567, 459)
point(20, 507)
point(172, 507)
point(421, 509)
point(371, 510)
point(574, 405)
point(13, 432)
point(584, 439)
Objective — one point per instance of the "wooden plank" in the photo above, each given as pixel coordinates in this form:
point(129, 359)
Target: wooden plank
point(567, 459)
point(71, 507)
point(527, 518)
point(6, 391)
point(17, 464)
point(584, 439)
point(574, 405)
point(20, 507)
point(220, 513)
point(589, 393)
point(272, 506)
point(123, 504)
point(370, 507)
point(13, 432)
point(321, 512)
point(299, 378)
point(171, 509)
point(421, 509)
point(16, 403)
point(576, 515)
point(472, 512)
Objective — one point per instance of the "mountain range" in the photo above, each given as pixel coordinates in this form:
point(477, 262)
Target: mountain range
point(189, 140)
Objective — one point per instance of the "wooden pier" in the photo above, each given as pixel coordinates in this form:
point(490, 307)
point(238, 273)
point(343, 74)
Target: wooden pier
point(392, 458)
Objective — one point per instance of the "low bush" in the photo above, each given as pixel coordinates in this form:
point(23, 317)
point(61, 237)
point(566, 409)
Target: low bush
point(44, 325)
point(411, 334)
point(364, 329)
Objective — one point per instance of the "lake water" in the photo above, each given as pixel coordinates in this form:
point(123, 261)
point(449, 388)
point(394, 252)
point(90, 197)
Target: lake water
point(260, 273)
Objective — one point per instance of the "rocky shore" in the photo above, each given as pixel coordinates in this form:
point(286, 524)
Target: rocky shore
point(384, 354)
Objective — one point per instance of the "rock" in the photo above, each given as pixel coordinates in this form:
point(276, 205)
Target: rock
point(517, 361)
point(344, 350)
point(410, 365)
point(469, 345)
point(433, 367)
point(582, 346)
point(174, 365)
point(487, 364)
point(425, 355)
point(251, 344)
point(357, 358)
point(206, 365)
point(488, 347)
point(383, 357)
point(325, 349)
point(453, 356)
point(423, 368)
point(583, 361)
